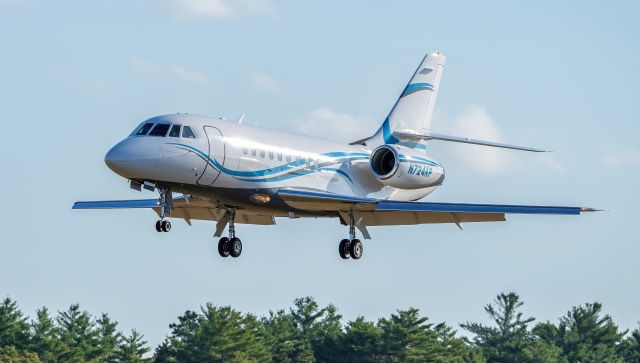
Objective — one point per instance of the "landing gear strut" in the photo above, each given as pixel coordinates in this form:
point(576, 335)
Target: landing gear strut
point(231, 246)
point(352, 247)
point(166, 205)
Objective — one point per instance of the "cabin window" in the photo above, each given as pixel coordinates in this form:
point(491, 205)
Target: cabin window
point(159, 130)
point(144, 129)
point(270, 154)
point(188, 133)
point(253, 152)
point(288, 158)
point(175, 131)
point(279, 156)
point(262, 153)
point(244, 151)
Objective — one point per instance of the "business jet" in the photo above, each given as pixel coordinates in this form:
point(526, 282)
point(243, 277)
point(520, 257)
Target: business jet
point(230, 172)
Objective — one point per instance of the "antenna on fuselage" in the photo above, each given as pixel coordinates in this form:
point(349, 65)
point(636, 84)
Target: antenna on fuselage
point(241, 119)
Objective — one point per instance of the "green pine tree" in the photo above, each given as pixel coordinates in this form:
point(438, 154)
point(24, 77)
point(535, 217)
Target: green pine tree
point(586, 336)
point(217, 334)
point(45, 337)
point(14, 329)
point(320, 328)
point(285, 340)
point(508, 339)
point(629, 349)
point(361, 342)
point(9, 354)
point(407, 337)
point(131, 348)
point(108, 337)
point(78, 335)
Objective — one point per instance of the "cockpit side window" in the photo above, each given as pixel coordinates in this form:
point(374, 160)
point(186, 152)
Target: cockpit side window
point(145, 128)
point(188, 133)
point(175, 131)
point(160, 130)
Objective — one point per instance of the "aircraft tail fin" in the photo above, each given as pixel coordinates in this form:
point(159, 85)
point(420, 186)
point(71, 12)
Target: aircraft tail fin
point(413, 111)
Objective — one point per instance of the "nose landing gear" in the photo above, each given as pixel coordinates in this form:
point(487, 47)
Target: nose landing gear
point(352, 247)
point(231, 246)
point(163, 226)
point(165, 203)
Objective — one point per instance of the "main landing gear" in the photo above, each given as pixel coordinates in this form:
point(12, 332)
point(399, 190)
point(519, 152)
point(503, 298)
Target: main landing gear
point(229, 246)
point(352, 247)
point(165, 203)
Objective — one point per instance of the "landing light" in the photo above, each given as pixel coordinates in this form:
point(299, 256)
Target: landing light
point(260, 198)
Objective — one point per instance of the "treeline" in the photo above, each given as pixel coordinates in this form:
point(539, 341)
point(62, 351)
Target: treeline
point(310, 333)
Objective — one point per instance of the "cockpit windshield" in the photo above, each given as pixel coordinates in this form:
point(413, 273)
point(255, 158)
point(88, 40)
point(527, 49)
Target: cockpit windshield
point(162, 129)
point(144, 129)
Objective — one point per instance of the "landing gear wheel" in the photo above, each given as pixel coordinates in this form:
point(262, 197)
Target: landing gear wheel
point(343, 249)
point(166, 226)
point(159, 226)
point(223, 247)
point(235, 247)
point(356, 249)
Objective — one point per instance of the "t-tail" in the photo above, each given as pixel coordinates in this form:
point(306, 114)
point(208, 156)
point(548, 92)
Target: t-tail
point(409, 122)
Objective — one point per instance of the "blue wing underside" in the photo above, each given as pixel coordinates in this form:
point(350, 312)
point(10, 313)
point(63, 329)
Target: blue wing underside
point(373, 212)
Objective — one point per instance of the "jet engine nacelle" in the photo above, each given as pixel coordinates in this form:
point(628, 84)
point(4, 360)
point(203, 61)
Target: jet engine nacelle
point(405, 168)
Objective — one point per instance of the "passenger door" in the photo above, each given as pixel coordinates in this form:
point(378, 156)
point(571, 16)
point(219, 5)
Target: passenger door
point(216, 156)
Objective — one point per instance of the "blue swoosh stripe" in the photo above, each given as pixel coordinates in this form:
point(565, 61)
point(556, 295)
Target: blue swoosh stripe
point(264, 172)
point(298, 173)
point(419, 159)
point(415, 87)
point(387, 136)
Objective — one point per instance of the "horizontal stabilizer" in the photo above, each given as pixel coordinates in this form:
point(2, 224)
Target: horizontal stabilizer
point(408, 135)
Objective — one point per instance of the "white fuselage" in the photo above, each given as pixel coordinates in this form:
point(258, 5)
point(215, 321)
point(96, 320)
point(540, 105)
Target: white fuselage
point(225, 155)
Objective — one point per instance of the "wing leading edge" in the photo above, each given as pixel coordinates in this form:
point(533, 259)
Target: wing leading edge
point(372, 211)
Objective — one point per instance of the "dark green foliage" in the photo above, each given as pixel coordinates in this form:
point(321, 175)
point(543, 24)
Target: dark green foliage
point(131, 348)
point(78, 334)
point(629, 349)
point(45, 339)
point(216, 334)
point(310, 333)
point(107, 339)
point(583, 335)
point(407, 337)
point(14, 329)
point(509, 338)
point(9, 354)
point(320, 328)
point(287, 343)
point(362, 341)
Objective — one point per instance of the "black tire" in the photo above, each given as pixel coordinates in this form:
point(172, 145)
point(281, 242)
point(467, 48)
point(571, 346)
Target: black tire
point(159, 226)
point(356, 249)
point(343, 249)
point(235, 247)
point(166, 226)
point(223, 247)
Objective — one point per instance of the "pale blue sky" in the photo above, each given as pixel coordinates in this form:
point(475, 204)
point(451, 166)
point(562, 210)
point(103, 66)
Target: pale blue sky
point(76, 77)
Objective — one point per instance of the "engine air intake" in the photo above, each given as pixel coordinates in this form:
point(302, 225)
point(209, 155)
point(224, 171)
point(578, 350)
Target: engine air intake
point(384, 162)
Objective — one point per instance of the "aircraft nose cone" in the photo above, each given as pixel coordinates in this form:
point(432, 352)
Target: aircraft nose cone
point(135, 158)
point(117, 159)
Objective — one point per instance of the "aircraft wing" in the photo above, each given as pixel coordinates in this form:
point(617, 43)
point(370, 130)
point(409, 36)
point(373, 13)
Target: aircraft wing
point(389, 212)
point(187, 209)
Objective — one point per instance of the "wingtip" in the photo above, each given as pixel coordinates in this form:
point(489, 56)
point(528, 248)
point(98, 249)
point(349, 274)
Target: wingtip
point(585, 209)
